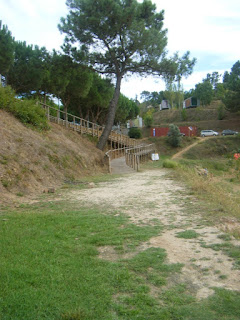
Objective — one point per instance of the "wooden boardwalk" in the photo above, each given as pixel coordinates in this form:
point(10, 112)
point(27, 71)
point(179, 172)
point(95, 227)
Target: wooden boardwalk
point(83, 126)
point(121, 146)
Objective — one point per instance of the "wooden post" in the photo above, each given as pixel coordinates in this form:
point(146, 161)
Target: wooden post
point(48, 114)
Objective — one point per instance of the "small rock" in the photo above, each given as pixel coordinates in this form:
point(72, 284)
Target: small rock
point(91, 185)
point(51, 190)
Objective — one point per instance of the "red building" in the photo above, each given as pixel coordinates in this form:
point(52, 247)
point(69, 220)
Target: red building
point(190, 131)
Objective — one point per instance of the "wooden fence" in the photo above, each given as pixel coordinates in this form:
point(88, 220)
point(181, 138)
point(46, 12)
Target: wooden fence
point(135, 156)
point(121, 145)
point(70, 121)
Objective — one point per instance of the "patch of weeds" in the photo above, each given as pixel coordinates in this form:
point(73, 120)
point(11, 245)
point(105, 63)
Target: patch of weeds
point(152, 259)
point(4, 159)
point(156, 279)
point(177, 296)
point(53, 158)
point(229, 249)
point(222, 277)
point(170, 164)
point(204, 259)
point(20, 194)
point(225, 237)
point(5, 183)
point(188, 234)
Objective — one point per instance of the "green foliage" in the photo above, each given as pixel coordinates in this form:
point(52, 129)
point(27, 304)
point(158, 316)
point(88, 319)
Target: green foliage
point(7, 97)
point(126, 109)
point(184, 114)
point(25, 110)
point(6, 50)
point(118, 38)
point(174, 137)
point(29, 68)
point(232, 83)
point(169, 164)
point(188, 234)
point(153, 98)
point(148, 120)
point(29, 113)
point(135, 133)
point(204, 92)
point(221, 111)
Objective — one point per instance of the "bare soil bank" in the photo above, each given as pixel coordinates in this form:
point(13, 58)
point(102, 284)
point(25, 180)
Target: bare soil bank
point(31, 161)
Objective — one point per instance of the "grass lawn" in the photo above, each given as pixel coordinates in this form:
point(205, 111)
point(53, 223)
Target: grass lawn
point(50, 269)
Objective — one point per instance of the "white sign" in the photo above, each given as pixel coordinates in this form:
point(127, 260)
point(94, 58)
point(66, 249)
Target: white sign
point(155, 156)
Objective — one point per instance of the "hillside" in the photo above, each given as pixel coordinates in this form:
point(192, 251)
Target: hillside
point(31, 161)
point(202, 117)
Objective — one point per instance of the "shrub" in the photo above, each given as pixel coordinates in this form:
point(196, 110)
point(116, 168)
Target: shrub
point(7, 97)
point(174, 138)
point(135, 133)
point(170, 164)
point(184, 114)
point(28, 112)
point(148, 120)
point(221, 112)
point(25, 110)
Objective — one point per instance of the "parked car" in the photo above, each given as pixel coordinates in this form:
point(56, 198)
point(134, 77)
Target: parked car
point(207, 133)
point(229, 132)
point(181, 134)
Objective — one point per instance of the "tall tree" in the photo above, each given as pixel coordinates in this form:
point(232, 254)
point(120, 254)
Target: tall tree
point(28, 69)
point(204, 92)
point(232, 82)
point(118, 37)
point(6, 50)
point(69, 80)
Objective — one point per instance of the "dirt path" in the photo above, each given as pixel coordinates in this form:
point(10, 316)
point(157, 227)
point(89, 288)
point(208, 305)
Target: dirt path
point(180, 153)
point(152, 197)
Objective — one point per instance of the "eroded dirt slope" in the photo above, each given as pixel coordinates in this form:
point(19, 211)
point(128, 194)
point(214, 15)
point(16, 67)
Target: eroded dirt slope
point(31, 161)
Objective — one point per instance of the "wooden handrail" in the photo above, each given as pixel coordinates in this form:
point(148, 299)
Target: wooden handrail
point(84, 126)
point(134, 156)
point(134, 152)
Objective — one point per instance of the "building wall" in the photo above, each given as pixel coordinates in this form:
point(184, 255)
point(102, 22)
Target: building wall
point(161, 132)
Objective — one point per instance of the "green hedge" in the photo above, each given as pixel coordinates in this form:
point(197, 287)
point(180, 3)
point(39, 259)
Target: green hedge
point(135, 133)
point(25, 110)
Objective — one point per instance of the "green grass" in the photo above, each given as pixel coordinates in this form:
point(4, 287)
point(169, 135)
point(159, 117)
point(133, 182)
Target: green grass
point(188, 234)
point(50, 269)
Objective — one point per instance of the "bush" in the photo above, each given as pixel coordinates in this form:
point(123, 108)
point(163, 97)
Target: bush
point(221, 112)
point(174, 138)
point(135, 133)
point(25, 110)
point(169, 164)
point(29, 113)
point(184, 114)
point(7, 97)
point(148, 120)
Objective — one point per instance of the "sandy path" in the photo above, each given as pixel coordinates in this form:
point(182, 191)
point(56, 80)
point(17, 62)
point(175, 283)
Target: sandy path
point(151, 196)
point(180, 153)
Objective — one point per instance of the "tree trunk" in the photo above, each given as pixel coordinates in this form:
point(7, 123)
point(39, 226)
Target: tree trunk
point(111, 115)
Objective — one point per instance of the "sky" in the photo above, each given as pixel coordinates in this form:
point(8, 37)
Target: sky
point(209, 29)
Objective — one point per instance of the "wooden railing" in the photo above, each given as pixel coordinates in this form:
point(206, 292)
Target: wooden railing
point(135, 156)
point(83, 126)
point(121, 145)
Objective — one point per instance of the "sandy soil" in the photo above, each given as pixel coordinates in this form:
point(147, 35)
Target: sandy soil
point(151, 196)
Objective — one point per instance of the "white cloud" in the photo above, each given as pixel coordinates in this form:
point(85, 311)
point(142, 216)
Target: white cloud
point(210, 30)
